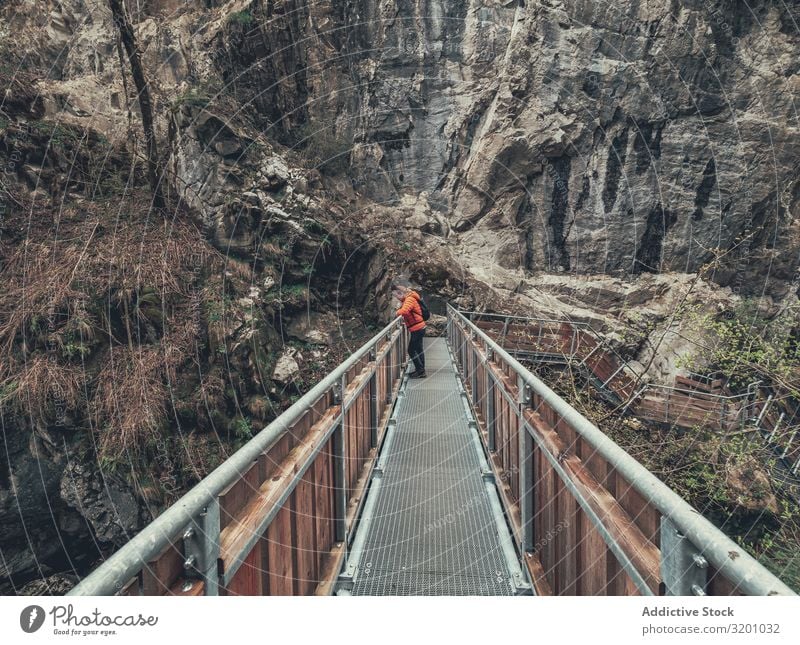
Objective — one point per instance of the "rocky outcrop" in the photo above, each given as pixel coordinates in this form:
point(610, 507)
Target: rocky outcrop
point(559, 136)
point(559, 157)
point(627, 138)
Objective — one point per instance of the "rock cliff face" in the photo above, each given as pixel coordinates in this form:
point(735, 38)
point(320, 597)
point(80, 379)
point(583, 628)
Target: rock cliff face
point(555, 135)
point(569, 155)
point(591, 137)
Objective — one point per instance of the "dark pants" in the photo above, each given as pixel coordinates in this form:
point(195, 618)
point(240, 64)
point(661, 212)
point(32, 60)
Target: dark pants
point(415, 350)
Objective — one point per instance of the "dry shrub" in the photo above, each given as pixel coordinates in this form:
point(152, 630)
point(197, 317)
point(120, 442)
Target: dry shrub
point(37, 283)
point(259, 407)
point(43, 389)
point(131, 403)
point(243, 271)
point(129, 406)
point(210, 395)
point(49, 288)
point(43, 277)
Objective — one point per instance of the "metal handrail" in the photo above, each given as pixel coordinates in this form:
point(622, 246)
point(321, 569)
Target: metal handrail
point(729, 397)
point(733, 562)
point(112, 574)
point(573, 323)
point(548, 320)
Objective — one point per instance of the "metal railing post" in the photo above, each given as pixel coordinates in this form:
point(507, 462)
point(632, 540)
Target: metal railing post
point(387, 368)
point(763, 412)
point(474, 380)
point(373, 399)
point(340, 468)
point(684, 570)
point(525, 467)
point(461, 344)
point(448, 328)
point(771, 435)
point(403, 341)
point(491, 414)
point(789, 443)
point(201, 548)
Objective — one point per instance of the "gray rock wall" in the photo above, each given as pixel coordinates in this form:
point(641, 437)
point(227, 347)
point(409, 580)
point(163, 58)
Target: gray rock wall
point(622, 137)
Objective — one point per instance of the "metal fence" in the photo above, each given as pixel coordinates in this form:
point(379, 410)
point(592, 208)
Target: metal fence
point(276, 517)
point(685, 408)
point(587, 516)
point(574, 343)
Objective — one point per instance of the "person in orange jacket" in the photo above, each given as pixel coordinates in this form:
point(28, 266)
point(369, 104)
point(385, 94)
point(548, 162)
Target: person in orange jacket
point(412, 316)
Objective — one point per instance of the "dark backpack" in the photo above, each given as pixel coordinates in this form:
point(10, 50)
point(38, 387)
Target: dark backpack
point(426, 313)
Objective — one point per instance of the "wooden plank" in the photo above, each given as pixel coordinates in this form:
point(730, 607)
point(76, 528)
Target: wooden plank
point(277, 453)
point(719, 585)
point(323, 504)
point(546, 518)
point(644, 556)
point(263, 544)
point(647, 518)
point(593, 547)
point(591, 558)
point(280, 554)
point(561, 583)
point(713, 387)
point(161, 572)
point(236, 495)
point(305, 544)
point(567, 535)
point(537, 575)
point(234, 537)
point(247, 581)
point(131, 588)
point(329, 570)
point(539, 498)
point(183, 587)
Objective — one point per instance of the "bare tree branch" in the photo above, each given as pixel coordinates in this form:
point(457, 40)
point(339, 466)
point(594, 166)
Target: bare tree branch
point(128, 38)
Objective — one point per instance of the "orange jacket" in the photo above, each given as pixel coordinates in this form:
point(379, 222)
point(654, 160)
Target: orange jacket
point(411, 312)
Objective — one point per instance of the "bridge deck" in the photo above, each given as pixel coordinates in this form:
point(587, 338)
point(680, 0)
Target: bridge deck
point(431, 527)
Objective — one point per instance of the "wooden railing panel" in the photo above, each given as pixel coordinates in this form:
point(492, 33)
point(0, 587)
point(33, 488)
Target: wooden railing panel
point(248, 579)
point(280, 560)
point(160, 573)
point(305, 536)
point(571, 552)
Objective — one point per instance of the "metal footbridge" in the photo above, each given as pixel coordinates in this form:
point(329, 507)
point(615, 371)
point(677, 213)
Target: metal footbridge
point(433, 523)
point(477, 480)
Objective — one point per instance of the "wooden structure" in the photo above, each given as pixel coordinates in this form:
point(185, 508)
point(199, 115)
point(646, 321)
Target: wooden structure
point(588, 519)
point(280, 515)
point(561, 342)
point(691, 405)
point(282, 523)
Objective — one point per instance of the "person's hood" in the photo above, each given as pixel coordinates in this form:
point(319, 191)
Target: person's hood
point(413, 293)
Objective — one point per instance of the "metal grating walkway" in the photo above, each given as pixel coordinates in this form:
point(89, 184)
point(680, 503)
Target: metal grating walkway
point(430, 527)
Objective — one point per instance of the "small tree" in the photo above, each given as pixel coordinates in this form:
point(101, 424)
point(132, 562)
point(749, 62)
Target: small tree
point(128, 39)
point(746, 346)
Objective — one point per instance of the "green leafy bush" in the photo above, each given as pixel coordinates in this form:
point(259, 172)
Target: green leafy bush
point(746, 346)
point(243, 18)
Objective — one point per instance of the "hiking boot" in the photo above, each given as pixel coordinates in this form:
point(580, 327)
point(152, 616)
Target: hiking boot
point(417, 374)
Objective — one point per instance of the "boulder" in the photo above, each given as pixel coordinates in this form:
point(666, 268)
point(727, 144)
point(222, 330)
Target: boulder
point(287, 368)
